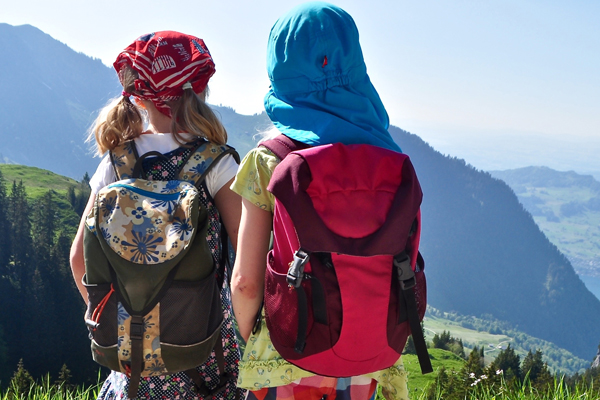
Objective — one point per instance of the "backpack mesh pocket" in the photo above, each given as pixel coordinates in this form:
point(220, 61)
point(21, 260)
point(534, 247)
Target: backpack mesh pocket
point(281, 304)
point(190, 311)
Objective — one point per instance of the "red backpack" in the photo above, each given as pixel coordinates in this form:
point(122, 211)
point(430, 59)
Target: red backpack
point(344, 285)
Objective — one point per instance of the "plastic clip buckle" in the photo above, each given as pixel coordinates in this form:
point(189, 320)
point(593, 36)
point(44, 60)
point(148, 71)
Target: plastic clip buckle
point(296, 271)
point(136, 331)
point(406, 276)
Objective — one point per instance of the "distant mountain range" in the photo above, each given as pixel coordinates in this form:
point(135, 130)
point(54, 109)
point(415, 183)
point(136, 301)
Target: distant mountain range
point(484, 253)
point(51, 95)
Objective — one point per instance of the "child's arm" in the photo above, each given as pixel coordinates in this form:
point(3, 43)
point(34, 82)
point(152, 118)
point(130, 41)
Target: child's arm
point(229, 205)
point(247, 283)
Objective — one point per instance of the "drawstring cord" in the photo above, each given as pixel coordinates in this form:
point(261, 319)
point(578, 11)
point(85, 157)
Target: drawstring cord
point(100, 307)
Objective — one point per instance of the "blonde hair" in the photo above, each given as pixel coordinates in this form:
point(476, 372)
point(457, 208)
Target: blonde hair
point(121, 120)
point(190, 114)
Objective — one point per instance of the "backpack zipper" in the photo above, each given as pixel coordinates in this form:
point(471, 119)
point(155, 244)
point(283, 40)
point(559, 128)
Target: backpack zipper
point(162, 196)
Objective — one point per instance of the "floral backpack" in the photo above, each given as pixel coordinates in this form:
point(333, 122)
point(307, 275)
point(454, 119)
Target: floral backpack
point(345, 283)
point(153, 285)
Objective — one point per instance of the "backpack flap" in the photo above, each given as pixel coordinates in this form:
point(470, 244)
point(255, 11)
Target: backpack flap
point(339, 204)
point(145, 228)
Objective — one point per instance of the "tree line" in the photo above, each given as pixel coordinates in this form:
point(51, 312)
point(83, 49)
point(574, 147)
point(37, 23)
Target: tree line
point(41, 311)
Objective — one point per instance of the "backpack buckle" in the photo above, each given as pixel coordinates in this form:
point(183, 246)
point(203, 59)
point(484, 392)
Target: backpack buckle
point(406, 276)
point(295, 273)
point(136, 331)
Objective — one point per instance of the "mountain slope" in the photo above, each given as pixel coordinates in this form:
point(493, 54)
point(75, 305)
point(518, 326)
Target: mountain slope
point(50, 96)
point(484, 254)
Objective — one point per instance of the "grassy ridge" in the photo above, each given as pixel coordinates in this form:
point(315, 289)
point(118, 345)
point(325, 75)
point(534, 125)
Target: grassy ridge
point(37, 181)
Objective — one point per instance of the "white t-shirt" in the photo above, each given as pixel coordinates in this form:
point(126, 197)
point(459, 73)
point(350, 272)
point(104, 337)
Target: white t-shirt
point(217, 177)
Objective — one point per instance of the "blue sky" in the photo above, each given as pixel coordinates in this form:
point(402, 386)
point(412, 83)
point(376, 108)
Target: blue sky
point(462, 74)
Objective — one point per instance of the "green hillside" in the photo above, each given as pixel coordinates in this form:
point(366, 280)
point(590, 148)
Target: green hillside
point(37, 181)
point(494, 336)
point(475, 332)
point(566, 206)
point(417, 382)
point(68, 195)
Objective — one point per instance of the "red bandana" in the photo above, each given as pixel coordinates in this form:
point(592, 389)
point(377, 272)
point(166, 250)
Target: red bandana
point(165, 61)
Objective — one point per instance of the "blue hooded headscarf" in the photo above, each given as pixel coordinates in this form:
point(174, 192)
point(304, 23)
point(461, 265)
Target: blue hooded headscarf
point(320, 91)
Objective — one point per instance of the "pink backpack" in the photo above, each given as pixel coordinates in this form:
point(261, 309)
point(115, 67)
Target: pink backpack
point(344, 285)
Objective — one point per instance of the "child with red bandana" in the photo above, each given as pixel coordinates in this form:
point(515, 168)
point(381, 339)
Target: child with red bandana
point(167, 75)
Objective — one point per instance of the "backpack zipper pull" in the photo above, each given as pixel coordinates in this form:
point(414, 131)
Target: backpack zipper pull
point(176, 206)
point(295, 273)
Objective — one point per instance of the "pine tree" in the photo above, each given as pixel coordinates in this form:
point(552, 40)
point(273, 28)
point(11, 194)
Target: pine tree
point(537, 370)
point(22, 381)
point(44, 218)
point(510, 363)
point(441, 341)
point(5, 234)
point(64, 379)
point(21, 234)
point(7, 291)
point(47, 289)
point(19, 272)
point(72, 197)
point(82, 195)
point(474, 364)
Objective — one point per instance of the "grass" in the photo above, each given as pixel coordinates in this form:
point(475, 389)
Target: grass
point(46, 391)
point(417, 387)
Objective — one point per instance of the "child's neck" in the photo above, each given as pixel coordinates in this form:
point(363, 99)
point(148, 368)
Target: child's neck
point(158, 122)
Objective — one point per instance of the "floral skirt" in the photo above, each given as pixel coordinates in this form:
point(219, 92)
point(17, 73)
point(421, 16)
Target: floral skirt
point(180, 386)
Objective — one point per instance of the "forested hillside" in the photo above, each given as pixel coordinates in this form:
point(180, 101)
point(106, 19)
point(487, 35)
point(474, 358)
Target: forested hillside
point(484, 254)
point(41, 310)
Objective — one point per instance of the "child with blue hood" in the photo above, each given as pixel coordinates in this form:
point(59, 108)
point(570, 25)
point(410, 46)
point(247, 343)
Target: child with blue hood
point(320, 93)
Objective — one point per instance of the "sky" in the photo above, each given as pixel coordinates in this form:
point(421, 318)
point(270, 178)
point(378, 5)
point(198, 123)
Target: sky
point(473, 78)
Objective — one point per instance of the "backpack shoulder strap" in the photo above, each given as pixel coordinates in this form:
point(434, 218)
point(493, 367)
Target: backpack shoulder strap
point(204, 157)
point(199, 163)
point(123, 159)
point(282, 145)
